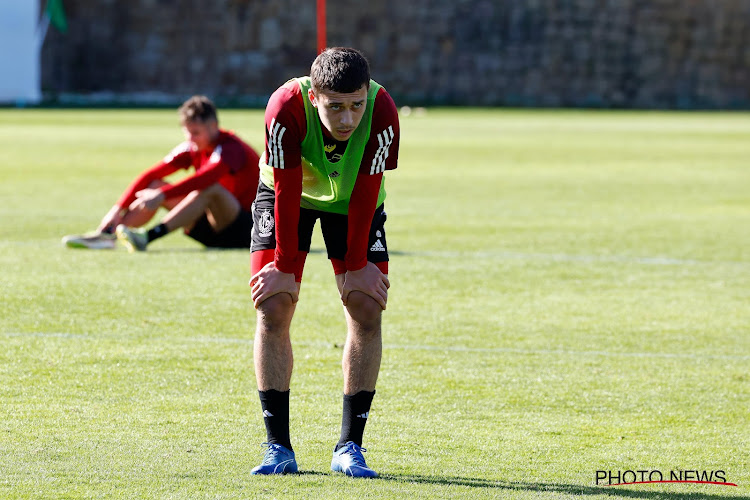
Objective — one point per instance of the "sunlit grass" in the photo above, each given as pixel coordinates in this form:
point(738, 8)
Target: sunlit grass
point(570, 294)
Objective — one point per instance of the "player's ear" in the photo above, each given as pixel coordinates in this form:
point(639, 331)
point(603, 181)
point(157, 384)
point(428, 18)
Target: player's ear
point(311, 96)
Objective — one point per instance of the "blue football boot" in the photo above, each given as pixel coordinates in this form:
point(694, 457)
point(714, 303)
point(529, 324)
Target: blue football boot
point(349, 460)
point(277, 460)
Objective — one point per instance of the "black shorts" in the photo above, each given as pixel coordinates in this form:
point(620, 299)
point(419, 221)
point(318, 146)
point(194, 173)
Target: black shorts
point(235, 235)
point(333, 226)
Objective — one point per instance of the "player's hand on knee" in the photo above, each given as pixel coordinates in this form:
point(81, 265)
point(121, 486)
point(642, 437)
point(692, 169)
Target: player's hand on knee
point(270, 281)
point(369, 280)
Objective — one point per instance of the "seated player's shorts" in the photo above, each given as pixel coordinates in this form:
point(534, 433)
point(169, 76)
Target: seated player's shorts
point(235, 235)
point(333, 226)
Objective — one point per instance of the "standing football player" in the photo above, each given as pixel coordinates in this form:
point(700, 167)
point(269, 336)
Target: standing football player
point(329, 139)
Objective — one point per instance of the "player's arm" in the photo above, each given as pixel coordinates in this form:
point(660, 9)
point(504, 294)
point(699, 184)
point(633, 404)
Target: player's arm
point(151, 198)
point(362, 275)
point(284, 135)
point(224, 159)
point(157, 172)
point(381, 153)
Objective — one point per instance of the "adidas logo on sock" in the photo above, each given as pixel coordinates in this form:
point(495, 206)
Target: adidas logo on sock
point(377, 247)
point(364, 415)
point(267, 413)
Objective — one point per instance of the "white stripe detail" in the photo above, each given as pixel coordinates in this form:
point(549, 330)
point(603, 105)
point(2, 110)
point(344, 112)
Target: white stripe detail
point(275, 151)
point(385, 138)
point(184, 147)
point(216, 155)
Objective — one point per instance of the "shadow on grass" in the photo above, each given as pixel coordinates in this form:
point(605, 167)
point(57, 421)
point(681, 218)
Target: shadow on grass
point(569, 489)
point(310, 473)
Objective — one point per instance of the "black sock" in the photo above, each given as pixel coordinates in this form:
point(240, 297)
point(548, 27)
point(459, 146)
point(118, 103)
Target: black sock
point(356, 411)
point(157, 232)
point(275, 406)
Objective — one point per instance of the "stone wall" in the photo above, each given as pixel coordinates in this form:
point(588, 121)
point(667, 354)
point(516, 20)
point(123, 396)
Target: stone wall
point(595, 53)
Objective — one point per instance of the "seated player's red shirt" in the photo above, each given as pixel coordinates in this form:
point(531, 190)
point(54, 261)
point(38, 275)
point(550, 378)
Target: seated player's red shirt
point(232, 163)
point(286, 109)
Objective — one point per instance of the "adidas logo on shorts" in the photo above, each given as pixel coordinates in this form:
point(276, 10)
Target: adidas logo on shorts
point(377, 247)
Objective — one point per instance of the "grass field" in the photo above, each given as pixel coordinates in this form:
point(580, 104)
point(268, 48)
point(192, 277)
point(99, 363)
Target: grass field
point(570, 293)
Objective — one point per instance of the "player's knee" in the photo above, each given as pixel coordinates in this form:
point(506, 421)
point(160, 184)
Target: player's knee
point(364, 310)
point(276, 312)
point(214, 191)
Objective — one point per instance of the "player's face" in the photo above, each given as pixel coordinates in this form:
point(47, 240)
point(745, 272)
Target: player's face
point(340, 113)
point(202, 134)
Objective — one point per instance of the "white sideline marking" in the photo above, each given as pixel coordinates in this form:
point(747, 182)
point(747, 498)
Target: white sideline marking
point(61, 335)
point(413, 347)
point(488, 254)
point(562, 257)
point(566, 352)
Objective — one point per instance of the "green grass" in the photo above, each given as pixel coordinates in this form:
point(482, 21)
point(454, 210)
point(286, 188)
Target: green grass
point(569, 294)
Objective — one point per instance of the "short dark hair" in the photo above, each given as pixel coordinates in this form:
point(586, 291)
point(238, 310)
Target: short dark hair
point(340, 69)
point(198, 108)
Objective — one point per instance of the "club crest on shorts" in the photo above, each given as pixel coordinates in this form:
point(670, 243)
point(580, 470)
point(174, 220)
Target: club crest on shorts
point(265, 224)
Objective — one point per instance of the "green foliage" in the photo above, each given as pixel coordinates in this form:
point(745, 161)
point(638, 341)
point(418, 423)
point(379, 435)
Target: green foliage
point(569, 294)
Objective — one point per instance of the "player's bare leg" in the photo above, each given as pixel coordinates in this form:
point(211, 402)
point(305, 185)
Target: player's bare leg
point(363, 348)
point(361, 365)
point(272, 355)
point(272, 352)
point(220, 206)
point(138, 218)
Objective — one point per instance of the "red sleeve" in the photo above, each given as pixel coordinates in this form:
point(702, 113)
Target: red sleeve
point(288, 186)
point(217, 165)
point(361, 210)
point(178, 158)
point(286, 127)
point(381, 151)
